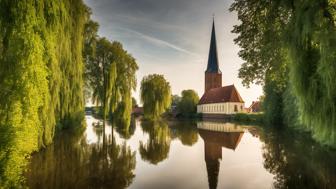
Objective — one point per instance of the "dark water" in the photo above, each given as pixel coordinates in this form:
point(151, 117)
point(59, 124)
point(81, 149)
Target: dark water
point(183, 155)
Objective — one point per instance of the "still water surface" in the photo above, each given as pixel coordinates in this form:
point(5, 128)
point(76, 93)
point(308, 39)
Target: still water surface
point(172, 154)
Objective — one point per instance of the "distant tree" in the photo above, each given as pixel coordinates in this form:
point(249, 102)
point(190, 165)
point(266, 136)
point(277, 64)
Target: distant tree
point(155, 96)
point(175, 100)
point(188, 104)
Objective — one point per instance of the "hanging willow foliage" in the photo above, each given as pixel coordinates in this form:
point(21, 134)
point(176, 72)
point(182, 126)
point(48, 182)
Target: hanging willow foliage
point(312, 47)
point(41, 76)
point(155, 96)
point(110, 75)
point(304, 33)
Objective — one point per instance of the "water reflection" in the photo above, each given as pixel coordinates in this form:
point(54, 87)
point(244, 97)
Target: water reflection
point(297, 161)
point(185, 131)
point(216, 136)
point(157, 147)
point(228, 156)
point(71, 162)
point(125, 131)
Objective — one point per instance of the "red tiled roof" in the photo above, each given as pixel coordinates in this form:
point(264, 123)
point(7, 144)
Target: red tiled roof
point(222, 94)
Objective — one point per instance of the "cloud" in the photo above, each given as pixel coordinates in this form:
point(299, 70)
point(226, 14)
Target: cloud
point(160, 42)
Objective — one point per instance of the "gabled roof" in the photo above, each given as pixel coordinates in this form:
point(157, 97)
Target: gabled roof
point(213, 57)
point(222, 94)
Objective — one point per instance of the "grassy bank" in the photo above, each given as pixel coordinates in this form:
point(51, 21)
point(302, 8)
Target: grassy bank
point(257, 118)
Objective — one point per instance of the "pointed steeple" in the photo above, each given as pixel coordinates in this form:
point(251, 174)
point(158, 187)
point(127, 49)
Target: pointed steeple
point(213, 57)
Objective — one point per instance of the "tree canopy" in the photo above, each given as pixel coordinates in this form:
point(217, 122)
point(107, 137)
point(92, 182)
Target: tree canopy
point(110, 74)
point(155, 96)
point(187, 106)
point(41, 77)
point(289, 47)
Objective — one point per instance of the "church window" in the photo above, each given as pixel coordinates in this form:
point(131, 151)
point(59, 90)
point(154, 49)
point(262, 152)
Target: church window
point(235, 108)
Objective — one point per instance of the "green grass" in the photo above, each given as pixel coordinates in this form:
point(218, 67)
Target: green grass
point(249, 118)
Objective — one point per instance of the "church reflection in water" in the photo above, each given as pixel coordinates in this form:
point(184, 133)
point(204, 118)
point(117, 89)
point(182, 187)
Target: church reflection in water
point(217, 135)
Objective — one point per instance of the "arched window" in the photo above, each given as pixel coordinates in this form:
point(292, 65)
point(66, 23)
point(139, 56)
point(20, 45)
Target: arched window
point(235, 108)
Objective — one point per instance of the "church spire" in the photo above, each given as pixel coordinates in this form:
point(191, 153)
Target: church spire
point(213, 57)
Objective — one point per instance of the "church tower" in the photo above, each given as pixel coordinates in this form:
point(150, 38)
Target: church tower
point(213, 75)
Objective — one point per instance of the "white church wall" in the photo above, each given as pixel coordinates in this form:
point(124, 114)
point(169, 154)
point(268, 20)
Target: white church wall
point(221, 108)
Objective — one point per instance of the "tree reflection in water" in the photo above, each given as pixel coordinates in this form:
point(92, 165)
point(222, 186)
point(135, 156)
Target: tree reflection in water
point(185, 131)
point(157, 147)
point(75, 160)
point(125, 131)
point(73, 163)
point(297, 161)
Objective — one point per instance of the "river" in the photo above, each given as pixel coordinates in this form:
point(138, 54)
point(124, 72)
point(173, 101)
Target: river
point(182, 154)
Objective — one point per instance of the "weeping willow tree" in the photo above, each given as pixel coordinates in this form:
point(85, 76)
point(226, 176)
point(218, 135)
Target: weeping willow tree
point(289, 46)
point(41, 77)
point(110, 75)
point(312, 44)
point(102, 74)
point(121, 105)
point(155, 96)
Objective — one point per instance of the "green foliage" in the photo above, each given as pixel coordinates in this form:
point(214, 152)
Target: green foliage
point(41, 77)
point(125, 83)
point(102, 73)
point(185, 131)
point(249, 118)
point(187, 106)
point(297, 161)
point(158, 145)
point(313, 69)
point(155, 96)
point(110, 74)
point(102, 164)
point(125, 132)
point(262, 41)
point(289, 46)
point(175, 100)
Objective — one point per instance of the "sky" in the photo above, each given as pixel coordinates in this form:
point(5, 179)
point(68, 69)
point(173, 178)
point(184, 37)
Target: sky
point(172, 37)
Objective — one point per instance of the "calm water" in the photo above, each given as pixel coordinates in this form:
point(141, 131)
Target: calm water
point(182, 155)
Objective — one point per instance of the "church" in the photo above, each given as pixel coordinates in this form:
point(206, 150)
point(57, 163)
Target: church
point(217, 100)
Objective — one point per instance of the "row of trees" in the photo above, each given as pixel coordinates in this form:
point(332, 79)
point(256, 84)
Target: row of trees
point(41, 76)
point(289, 47)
